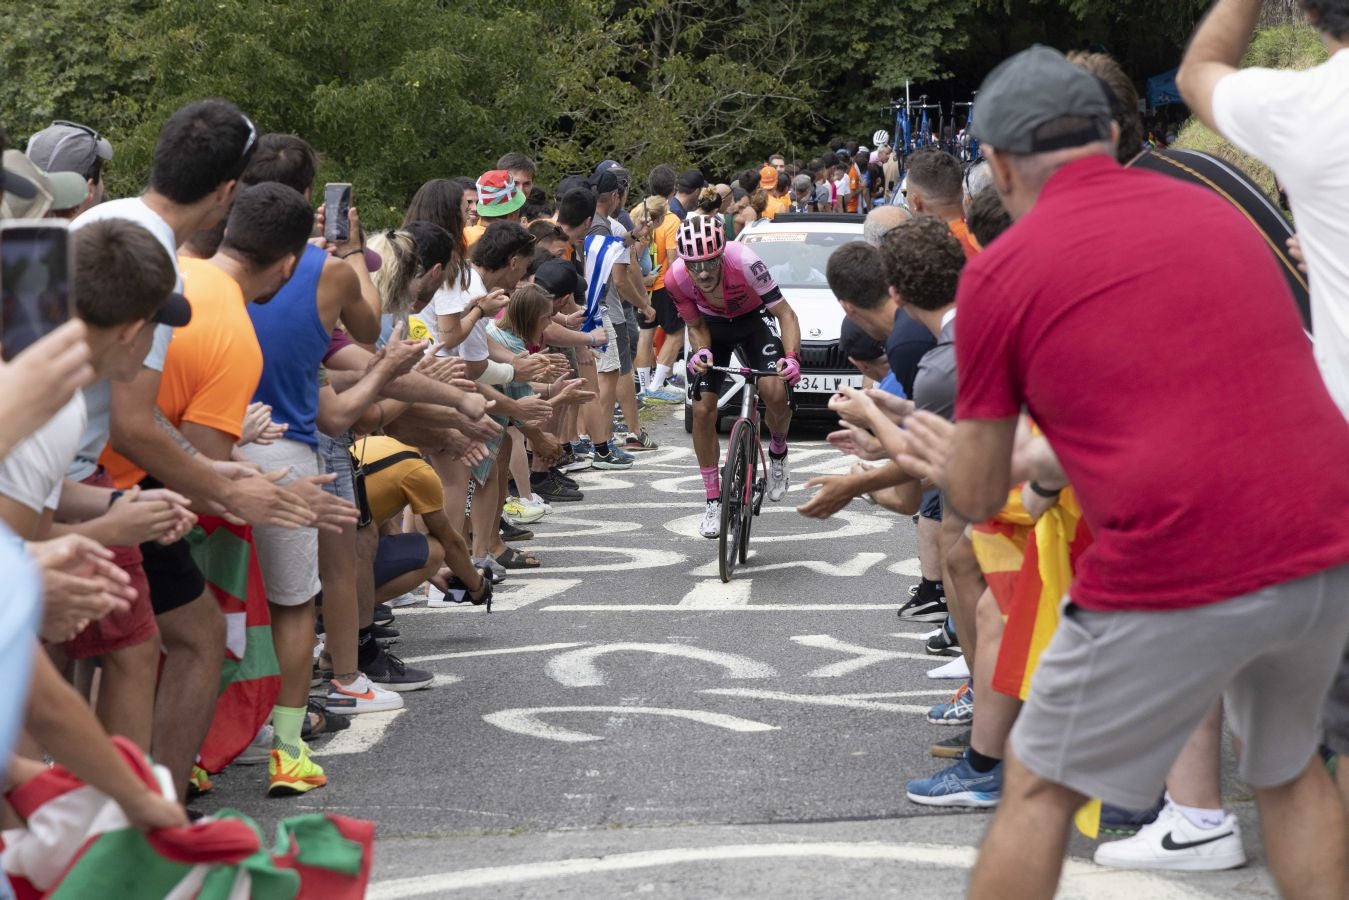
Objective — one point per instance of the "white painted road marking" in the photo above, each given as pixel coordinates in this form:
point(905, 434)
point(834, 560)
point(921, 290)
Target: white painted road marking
point(528, 723)
point(1080, 879)
point(634, 558)
point(504, 599)
point(500, 651)
point(866, 656)
point(855, 567)
point(818, 700)
point(577, 668)
point(753, 607)
point(855, 524)
point(367, 729)
point(910, 567)
point(712, 594)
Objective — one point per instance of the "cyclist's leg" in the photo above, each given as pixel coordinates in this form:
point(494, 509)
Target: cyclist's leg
point(761, 349)
point(706, 444)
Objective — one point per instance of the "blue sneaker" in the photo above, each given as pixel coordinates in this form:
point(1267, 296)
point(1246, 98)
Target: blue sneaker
point(662, 396)
point(583, 447)
point(958, 785)
point(959, 710)
point(617, 459)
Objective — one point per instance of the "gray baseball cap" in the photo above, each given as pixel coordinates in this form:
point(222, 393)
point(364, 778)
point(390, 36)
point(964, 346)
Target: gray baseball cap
point(68, 147)
point(1033, 88)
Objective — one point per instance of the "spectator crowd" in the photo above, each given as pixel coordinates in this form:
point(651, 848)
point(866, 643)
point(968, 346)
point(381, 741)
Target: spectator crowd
point(263, 429)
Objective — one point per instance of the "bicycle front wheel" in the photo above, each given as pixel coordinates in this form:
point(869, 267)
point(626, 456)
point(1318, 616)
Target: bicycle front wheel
point(735, 490)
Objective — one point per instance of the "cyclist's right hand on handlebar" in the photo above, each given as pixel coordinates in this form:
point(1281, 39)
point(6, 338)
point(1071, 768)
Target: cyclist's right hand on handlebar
point(700, 362)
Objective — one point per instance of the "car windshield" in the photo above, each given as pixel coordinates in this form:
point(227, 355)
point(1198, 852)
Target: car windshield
point(797, 259)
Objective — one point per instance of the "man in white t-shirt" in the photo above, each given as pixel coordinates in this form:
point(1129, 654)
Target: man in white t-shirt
point(1297, 123)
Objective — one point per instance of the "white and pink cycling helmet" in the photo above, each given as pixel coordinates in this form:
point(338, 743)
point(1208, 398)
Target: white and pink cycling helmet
point(701, 237)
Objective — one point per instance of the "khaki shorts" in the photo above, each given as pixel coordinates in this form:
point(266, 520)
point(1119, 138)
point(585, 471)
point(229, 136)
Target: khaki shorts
point(615, 356)
point(288, 557)
point(1118, 693)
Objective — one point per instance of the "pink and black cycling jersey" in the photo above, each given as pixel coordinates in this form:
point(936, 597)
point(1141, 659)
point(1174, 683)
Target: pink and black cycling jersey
point(746, 286)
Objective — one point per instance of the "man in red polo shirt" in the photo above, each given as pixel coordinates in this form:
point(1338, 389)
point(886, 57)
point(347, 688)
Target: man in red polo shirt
point(1144, 326)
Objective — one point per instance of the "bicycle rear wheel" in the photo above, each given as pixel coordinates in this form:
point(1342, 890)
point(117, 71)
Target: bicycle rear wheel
point(734, 497)
point(757, 488)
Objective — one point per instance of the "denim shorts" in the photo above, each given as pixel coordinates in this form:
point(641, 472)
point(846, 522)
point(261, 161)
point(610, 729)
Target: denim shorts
point(336, 456)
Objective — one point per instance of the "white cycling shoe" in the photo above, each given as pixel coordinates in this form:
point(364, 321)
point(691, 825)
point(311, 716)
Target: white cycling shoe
point(711, 525)
point(778, 479)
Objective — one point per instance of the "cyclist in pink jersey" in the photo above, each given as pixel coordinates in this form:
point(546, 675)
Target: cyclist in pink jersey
point(727, 298)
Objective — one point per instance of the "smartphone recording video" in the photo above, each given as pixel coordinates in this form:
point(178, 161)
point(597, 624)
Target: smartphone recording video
point(34, 282)
point(336, 206)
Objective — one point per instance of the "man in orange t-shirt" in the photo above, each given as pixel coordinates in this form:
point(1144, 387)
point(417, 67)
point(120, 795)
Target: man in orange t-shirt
point(935, 189)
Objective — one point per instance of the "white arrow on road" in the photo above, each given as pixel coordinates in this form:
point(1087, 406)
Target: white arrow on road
point(855, 567)
point(577, 667)
point(865, 656)
point(527, 721)
point(712, 594)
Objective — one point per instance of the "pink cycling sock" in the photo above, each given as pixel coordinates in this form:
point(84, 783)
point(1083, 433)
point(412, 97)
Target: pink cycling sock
point(711, 481)
point(777, 443)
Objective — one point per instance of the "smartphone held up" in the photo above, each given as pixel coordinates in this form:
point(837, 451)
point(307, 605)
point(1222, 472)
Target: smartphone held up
point(336, 209)
point(34, 281)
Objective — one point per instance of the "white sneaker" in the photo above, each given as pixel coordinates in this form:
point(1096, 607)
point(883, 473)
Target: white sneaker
point(361, 696)
point(1174, 843)
point(778, 479)
point(259, 749)
point(411, 598)
point(711, 526)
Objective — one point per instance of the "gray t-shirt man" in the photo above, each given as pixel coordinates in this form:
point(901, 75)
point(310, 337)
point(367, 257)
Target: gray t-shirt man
point(613, 302)
point(934, 387)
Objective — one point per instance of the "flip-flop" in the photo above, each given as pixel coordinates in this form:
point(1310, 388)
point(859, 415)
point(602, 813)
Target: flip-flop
point(512, 558)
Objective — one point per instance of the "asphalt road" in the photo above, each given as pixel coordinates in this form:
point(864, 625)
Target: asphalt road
point(624, 723)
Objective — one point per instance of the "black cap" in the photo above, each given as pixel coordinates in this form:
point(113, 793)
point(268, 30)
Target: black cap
point(1031, 89)
point(856, 343)
point(559, 278)
point(603, 182)
point(614, 168)
point(691, 180)
point(176, 311)
point(569, 184)
point(11, 183)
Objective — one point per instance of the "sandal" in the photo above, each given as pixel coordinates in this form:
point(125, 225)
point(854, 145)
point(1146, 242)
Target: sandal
point(317, 721)
point(512, 558)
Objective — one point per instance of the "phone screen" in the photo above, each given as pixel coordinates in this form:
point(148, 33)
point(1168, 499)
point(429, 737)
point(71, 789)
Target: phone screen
point(337, 204)
point(34, 285)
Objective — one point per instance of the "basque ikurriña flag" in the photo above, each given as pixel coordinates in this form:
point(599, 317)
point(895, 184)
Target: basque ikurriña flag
point(250, 678)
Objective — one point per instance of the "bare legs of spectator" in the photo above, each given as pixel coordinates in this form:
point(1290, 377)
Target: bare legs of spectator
point(367, 545)
point(126, 692)
point(293, 637)
point(627, 401)
point(645, 357)
point(601, 418)
point(929, 548)
point(997, 712)
point(1196, 776)
point(1306, 836)
point(337, 571)
point(670, 350)
point(454, 476)
point(964, 584)
point(194, 641)
point(1022, 854)
point(435, 561)
point(520, 466)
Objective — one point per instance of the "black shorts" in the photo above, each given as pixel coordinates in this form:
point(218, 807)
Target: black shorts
point(931, 505)
point(749, 336)
point(399, 554)
point(175, 580)
point(667, 314)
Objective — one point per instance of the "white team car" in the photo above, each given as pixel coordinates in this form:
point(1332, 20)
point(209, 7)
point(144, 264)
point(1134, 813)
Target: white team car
point(797, 247)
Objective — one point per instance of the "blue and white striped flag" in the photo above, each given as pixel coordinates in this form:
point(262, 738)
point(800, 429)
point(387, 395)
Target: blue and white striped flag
point(602, 251)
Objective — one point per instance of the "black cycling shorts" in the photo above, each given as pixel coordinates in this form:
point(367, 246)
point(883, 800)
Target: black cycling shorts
point(750, 336)
point(667, 314)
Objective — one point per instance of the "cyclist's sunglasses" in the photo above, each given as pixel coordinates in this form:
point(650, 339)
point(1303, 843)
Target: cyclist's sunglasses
point(703, 266)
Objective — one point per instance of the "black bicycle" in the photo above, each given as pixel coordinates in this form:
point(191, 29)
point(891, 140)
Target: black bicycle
point(742, 485)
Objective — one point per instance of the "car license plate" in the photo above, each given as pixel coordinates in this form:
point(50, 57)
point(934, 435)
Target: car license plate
point(827, 384)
